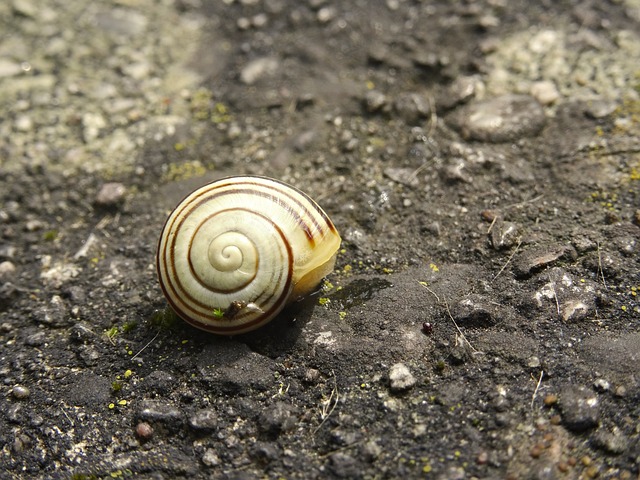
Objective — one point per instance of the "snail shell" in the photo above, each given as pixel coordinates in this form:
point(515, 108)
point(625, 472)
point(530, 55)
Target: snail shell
point(234, 252)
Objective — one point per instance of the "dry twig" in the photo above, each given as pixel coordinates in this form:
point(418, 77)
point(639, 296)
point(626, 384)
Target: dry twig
point(535, 392)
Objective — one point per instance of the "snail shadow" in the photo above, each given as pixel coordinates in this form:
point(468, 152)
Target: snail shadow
point(282, 334)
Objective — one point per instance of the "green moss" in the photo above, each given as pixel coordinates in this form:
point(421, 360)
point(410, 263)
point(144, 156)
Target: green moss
point(183, 171)
point(165, 319)
point(50, 235)
point(128, 326)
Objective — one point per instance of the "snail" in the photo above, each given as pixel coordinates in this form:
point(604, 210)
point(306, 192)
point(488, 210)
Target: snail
point(234, 252)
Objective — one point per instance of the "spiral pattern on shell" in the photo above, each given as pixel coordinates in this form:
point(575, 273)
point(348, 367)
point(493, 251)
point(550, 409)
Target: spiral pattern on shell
point(234, 252)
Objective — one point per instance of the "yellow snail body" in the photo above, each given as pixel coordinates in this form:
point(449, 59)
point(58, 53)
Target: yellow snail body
point(234, 252)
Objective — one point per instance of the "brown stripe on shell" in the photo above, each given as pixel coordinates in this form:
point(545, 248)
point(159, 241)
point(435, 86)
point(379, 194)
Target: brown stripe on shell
point(268, 184)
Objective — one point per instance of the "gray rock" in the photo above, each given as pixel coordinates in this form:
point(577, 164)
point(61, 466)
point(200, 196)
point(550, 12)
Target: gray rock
point(344, 466)
point(474, 310)
point(400, 378)
point(460, 91)
point(276, 418)
point(205, 419)
point(545, 92)
point(264, 452)
point(210, 458)
point(7, 269)
point(600, 108)
point(504, 234)
point(375, 101)
point(370, 450)
point(580, 408)
point(537, 258)
point(159, 411)
point(111, 194)
point(159, 381)
point(55, 313)
point(412, 107)
point(121, 21)
point(614, 442)
point(257, 69)
point(9, 68)
point(35, 340)
point(89, 355)
point(7, 252)
point(501, 119)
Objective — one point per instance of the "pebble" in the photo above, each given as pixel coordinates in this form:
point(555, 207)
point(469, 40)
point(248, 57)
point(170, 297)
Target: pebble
point(144, 431)
point(20, 393)
point(504, 235)
point(55, 313)
point(376, 101)
point(601, 385)
point(81, 333)
point(326, 14)
point(400, 378)
point(8, 251)
point(121, 21)
point(412, 107)
point(159, 411)
point(205, 419)
point(257, 69)
point(311, 375)
point(8, 292)
point(25, 8)
point(276, 419)
point(600, 108)
point(159, 380)
point(210, 458)
point(9, 68)
point(7, 269)
point(35, 340)
point(614, 442)
point(92, 124)
point(111, 194)
point(474, 310)
point(404, 176)
point(370, 450)
point(265, 452)
point(580, 408)
point(532, 260)
point(545, 92)
point(573, 310)
point(344, 466)
point(460, 91)
point(24, 123)
point(502, 119)
point(533, 362)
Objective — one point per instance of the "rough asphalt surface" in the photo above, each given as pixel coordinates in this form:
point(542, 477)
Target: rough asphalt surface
point(481, 160)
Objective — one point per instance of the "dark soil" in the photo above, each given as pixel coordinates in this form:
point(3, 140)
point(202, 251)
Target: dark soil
point(481, 160)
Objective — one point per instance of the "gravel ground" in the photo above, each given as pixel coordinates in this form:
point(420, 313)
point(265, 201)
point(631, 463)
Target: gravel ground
point(481, 160)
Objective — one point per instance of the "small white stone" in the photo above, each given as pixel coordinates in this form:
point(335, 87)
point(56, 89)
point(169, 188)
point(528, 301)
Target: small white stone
point(400, 378)
point(7, 268)
point(545, 92)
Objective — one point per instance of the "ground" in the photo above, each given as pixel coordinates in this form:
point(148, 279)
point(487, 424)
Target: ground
point(481, 161)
